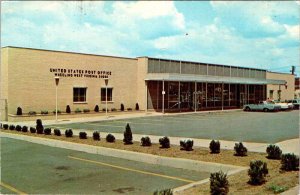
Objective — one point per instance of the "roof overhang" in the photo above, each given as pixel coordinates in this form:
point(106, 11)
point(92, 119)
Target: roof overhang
point(210, 79)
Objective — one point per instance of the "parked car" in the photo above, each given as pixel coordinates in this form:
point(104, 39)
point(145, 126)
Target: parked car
point(284, 105)
point(262, 106)
point(295, 102)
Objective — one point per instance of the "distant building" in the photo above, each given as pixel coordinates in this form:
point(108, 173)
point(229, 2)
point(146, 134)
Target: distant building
point(162, 85)
point(281, 91)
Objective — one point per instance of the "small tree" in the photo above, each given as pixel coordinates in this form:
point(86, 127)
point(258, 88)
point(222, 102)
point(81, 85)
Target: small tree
point(57, 132)
point(122, 107)
point(214, 147)
point(96, 109)
point(219, 184)
point(187, 144)
point(32, 130)
point(257, 172)
point(164, 142)
point(240, 149)
point(12, 127)
point(127, 135)
point(289, 162)
point(110, 138)
point(18, 128)
point(274, 152)
point(146, 141)
point(39, 126)
point(19, 111)
point(96, 136)
point(68, 109)
point(47, 131)
point(82, 135)
point(69, 133)
point(5, 126)
point(24, 129)
point(137, 107)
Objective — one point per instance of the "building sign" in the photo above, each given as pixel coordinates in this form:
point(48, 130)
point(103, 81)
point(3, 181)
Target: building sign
point(63, 72)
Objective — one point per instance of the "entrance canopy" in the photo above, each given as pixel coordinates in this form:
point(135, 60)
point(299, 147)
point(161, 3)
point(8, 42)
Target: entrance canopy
point(210, 79)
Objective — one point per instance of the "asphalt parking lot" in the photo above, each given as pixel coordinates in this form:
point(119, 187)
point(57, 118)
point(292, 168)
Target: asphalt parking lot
point(37, 169)
point(258, 127)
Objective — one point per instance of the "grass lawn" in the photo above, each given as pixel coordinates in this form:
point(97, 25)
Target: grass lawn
point(238, 182)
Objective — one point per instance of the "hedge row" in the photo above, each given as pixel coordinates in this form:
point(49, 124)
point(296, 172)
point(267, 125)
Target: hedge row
point(68, 110)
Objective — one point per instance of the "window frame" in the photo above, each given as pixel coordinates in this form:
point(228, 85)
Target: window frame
point(109, 98)
point(79, 97)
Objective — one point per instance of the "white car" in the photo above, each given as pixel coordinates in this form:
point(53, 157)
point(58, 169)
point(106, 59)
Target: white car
point(284, 105)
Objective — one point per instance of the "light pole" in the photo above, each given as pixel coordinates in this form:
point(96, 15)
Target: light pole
point(106, 83)
point(56, 83)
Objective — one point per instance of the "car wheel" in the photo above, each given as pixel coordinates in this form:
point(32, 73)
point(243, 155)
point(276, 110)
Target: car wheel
point(265, 109)
point(247, 109)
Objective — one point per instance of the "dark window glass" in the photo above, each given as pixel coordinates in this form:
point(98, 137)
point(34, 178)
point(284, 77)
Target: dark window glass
point(109, 94)
point(79, 94)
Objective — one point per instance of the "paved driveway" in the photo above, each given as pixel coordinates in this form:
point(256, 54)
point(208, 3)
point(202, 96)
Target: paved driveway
point(38, 169)
point(234, 126)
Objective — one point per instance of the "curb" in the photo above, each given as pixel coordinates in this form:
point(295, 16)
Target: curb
point(129, 155)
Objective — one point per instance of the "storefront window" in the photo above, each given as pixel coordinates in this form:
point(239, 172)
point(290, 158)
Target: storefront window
point(79, 94)
point(109, 94)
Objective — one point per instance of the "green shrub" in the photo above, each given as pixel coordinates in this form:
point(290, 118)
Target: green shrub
point(187, 144)
point(44, 112)
point(86, 110)
point(214, 147)
point(68, 109)
point(127, 135)
point(110, 138)
point(113, 109)
point(69, 133)
point(163, 192)
point(96, 109)
point(32, 130)
point(219, 184)
point(164, 142)
point(129, 109)
point(5, 126)
point(58, 112)
point(289, 162)
point(146, 141)
point(257, 172)
point(274, 152)
point(77, 110)
point(137, 107)
point(277, 189)
point(122, 107)
point(104, 109)
point(31, 113)
point(24, 129)
point(18, 128)
point(96, 136)
point(240, 149)
point(57, 132)
point(12, 127)
point(19, 111)
point(39, 126)
point(47, 131)
point(82, 135)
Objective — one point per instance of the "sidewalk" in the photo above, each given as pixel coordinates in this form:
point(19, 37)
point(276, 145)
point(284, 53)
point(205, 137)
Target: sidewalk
point(114, 116)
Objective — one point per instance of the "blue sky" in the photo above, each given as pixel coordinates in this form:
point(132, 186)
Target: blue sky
point(252, 34)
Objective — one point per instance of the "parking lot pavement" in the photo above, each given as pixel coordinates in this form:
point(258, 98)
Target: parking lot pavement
point(38, 169)
point(257, 127)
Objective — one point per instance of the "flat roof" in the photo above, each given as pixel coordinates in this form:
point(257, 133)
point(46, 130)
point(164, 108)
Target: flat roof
point(68, 52)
